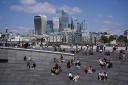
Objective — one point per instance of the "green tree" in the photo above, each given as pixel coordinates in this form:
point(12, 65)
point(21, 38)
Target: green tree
point(125, 39)
point(104, 39)
point(122, 38)
point(111, 38)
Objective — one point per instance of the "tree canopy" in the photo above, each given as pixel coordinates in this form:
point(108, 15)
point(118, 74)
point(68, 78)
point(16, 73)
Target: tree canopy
point(104, 39)
point(122, 38)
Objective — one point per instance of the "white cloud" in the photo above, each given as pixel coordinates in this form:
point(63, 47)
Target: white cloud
point(32, 6)
point(35, 8)
point(71, 9)
point(28, 2)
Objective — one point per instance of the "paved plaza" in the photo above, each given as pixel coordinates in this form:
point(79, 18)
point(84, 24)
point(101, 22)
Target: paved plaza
point(15, 72)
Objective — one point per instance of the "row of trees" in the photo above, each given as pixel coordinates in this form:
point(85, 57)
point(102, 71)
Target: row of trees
point(120, 38)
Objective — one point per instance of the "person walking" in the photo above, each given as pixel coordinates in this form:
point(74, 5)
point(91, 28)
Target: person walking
point(25, 58)
point(29, 59)
point(126, 48)
point(68, 64)
point(104, 47)
point(34, 65)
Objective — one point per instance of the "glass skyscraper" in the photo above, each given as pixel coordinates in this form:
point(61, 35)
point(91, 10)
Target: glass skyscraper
point(56, 24)
point(63, 19)
point(44, 23)
point(49, 28)
point(40, 24)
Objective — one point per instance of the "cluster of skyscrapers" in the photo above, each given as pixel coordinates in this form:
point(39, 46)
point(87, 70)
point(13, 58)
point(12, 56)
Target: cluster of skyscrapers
point(60, 23)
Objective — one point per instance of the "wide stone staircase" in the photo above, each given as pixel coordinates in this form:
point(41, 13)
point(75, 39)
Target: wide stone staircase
point(15, 72)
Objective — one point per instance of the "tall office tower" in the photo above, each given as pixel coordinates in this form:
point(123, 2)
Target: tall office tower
point(40, 24)
point(44, 23)
point(83, 26)
point(74, 24)
point(78, 27)
point(49, 28)
point(63, 19)
point(56, 24)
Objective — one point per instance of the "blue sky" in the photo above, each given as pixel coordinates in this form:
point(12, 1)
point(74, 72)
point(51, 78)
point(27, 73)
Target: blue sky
point(101, 15)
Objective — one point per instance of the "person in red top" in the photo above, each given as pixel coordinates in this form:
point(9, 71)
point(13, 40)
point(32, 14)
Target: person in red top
point(86, 69)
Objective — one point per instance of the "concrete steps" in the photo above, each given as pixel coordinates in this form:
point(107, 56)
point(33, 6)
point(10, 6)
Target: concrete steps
point(15, 72)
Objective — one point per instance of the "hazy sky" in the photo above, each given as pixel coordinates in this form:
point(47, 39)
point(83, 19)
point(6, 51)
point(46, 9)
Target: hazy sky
point(101, 15)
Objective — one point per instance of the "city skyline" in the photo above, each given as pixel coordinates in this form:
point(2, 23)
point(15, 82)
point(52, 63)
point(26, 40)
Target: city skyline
point(100, 15)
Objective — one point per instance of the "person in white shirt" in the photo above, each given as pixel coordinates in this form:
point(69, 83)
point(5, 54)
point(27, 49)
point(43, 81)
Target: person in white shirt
point(78, 64)
point(70, 76)
point(29, 59)
point(99, 75)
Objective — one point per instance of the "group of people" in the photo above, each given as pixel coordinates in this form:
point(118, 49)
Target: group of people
point(30, 62)
point(100, 48)
point(88, 50)
point(105, 63)
point(58, 48)
point(102, 76)
point(56, 69)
